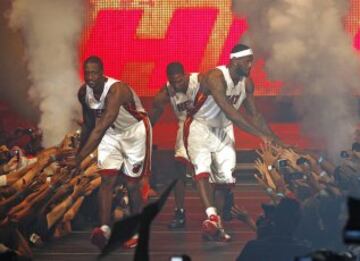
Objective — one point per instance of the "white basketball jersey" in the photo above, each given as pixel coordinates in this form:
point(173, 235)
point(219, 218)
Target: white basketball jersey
point(128, 115)
point(209, 112)
point(182, 102)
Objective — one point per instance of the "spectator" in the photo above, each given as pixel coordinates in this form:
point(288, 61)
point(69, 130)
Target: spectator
point(278, 243)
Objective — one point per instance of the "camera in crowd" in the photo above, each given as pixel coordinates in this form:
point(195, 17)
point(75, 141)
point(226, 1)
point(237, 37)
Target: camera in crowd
point(344, 154)
point(285, 170)
point(282, 163)
point(355, 148)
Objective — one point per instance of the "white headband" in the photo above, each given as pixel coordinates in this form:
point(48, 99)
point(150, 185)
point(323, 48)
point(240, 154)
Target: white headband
point(243, 53)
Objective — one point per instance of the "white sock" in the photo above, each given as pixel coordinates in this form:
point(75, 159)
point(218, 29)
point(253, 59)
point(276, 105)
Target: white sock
point(107, 231)
point(210, 211)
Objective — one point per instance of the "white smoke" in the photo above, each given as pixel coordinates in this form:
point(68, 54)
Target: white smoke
point(51, 30)
point(304, 44)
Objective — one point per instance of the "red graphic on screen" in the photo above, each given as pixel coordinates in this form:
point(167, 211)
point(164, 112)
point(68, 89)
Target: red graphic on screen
point(113, 38)
point(142, 62)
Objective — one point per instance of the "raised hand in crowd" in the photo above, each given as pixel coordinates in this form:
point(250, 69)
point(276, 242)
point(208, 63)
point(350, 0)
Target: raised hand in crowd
point(262, 167)
point(268, 153)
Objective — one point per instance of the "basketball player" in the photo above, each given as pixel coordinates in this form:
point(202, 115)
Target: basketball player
point(209, 136)
point(115, 123)
point(179, 91)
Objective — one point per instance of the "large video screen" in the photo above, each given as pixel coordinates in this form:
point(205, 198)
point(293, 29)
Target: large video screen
point(137, 39)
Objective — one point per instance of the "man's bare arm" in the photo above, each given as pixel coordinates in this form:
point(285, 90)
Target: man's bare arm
point(160, 101)
point(118, 95)
point(250, 108)
point(216, 85)
point(88, 118)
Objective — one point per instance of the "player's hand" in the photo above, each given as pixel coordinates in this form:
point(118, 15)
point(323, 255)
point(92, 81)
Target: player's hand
point(267, 153)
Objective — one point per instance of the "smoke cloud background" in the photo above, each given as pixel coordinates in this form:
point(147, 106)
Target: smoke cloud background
point(305, 45)
point(13, 76)
point(51, 31)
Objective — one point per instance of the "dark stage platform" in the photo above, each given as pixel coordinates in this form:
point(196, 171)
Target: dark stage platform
point(164, 243)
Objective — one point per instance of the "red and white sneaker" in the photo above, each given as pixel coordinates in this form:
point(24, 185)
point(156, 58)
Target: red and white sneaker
point(213, 230)
point(132, 242)
point(210, 226)
point(100, 236)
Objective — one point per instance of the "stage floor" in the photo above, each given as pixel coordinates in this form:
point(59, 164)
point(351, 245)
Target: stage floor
point(164, 243)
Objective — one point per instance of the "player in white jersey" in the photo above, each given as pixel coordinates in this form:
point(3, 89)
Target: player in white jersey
point(208, 131)
point(115, 123)
point(179, 92)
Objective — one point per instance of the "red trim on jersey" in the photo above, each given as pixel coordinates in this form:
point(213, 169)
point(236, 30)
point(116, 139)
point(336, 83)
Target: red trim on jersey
point(184, 161)
point(198, 102)
point(200, 99)
point(202, 175)
point(147, 161)
point(108, 172)
point(142, 116)
point(186, 132)
point(131, 108)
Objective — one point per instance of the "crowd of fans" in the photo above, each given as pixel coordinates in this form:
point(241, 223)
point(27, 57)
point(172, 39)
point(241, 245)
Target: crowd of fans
point(40, 197)
point(307, 209)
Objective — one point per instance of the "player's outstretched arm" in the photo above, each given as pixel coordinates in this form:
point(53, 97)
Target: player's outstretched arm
point(161, 99)
point(250, 108)
point(215, 83)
